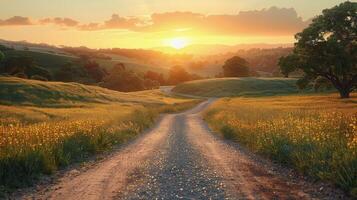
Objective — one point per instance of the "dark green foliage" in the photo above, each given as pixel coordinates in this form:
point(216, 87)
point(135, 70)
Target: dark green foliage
point(228, 132)
point(39, 72)
point(321, 83)
point(50, 62)
point(288, 64)
point(123, 80)
point(5, 48)
point(95, 71)
point(2, 56)
point(70, 73)
point(328, 48)
point(23, 65)
point(236, 67)
point(22, 169)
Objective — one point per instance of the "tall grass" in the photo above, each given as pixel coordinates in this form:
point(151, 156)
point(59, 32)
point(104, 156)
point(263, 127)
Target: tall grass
point(30, 149)
point(295, 131)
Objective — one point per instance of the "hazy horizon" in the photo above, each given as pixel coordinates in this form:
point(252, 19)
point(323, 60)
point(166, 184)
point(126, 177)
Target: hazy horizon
point(109, 24)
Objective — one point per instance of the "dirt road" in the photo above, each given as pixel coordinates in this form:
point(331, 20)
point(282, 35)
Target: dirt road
point(178, 159)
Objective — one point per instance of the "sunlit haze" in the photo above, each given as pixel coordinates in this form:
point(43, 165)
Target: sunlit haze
point(156, 23)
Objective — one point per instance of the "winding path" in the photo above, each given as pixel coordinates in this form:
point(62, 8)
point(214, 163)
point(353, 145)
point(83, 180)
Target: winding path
point(178, 159)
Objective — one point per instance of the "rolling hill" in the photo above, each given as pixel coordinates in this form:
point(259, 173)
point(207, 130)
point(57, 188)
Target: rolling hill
point(25, 92)
point(238, 87)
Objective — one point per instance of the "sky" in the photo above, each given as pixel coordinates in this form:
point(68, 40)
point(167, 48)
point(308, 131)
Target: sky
point(154, 23)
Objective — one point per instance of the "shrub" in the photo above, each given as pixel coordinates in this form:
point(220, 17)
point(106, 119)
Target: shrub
point(228, 132)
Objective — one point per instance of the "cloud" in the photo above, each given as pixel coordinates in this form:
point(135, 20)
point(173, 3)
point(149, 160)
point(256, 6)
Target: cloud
point(272, 21)
point(90, 27)
point(121, 22)
point(16, 21)
point(60, 21)
point(115, 22)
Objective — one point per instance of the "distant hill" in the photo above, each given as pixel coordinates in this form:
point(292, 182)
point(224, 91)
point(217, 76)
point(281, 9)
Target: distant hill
point(238, 87)
point(50, 57)
point(214, 49)
point(204, 60)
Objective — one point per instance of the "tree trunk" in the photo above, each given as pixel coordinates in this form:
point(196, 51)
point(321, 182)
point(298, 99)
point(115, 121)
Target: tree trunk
point(344, 93)
point(343, 89)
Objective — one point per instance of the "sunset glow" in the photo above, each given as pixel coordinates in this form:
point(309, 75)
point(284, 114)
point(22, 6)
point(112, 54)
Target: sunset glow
point(178, 43)
point(139, 24)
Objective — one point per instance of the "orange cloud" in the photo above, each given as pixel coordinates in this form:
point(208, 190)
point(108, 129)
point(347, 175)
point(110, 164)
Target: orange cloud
point(121, 22)
point(115, 22)
point(272, 21)
point(16, 21)
point(60, 21)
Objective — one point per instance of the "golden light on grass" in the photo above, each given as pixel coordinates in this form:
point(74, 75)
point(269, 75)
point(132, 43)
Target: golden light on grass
point(318, 139)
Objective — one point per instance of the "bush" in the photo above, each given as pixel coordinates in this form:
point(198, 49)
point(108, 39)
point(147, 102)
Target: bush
point(228, 132)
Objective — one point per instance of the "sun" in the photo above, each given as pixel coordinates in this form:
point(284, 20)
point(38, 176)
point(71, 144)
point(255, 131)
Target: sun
point(178, 43)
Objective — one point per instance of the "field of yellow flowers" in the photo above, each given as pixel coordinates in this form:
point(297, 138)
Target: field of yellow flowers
point(316, 135)
point(37, 140)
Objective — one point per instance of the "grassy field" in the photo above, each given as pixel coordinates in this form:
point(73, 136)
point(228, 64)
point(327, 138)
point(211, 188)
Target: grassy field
point(43, 59)
point(45, 126)
point(222, 87)
point(316, 135)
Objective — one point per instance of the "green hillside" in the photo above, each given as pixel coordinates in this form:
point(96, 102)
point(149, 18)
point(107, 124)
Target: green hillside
point(238, 87)
point(17, 91)
point(49, 61)
point(52, 62)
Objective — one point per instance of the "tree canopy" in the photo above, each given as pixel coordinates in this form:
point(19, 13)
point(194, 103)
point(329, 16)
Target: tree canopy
point(328, 49)
point(121, 79)
point(23, 66)
point(178, 74)
point(2, 56)
point(236, 67)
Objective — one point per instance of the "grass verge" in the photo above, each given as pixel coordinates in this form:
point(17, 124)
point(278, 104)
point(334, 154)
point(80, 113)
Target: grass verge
point(317, 135)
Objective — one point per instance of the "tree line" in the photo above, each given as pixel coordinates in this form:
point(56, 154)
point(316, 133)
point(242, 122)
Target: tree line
point(87, 71)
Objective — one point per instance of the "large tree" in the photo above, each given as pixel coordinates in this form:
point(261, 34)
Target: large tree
point(328, 49)
point(154, 76)
point(121, 79)
point(236, 67)
point(178, 74)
